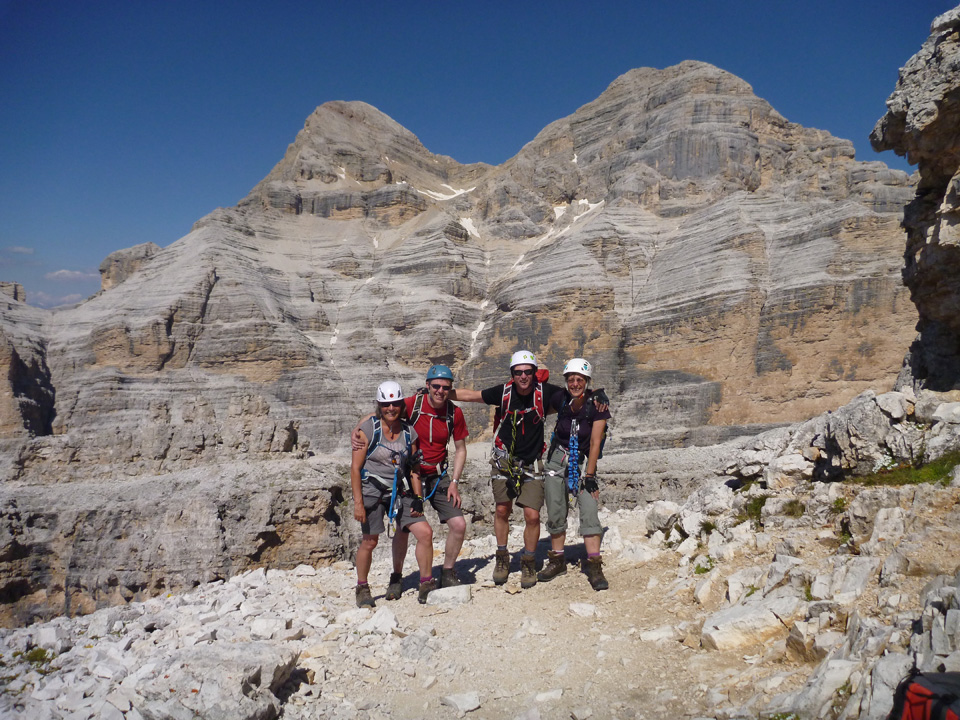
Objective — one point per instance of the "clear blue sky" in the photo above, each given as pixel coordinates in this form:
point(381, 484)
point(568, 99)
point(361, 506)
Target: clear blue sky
point(125, 122)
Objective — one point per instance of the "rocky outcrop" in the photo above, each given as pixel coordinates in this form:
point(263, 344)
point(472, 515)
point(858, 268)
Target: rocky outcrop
point(922, 116)
point(70, 549)
point(725, 269)
point(13, 290)
point(120, 265)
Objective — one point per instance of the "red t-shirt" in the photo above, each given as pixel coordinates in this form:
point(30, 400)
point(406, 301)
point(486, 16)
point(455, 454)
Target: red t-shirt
point(431, 428)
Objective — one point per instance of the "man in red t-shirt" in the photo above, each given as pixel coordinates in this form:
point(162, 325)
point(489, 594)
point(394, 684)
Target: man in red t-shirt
point(439, 484)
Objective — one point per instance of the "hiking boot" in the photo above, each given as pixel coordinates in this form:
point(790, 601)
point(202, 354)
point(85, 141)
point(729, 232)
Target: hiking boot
point(502, 570)
point(364, 598)
point(448, 578)
point(528, 571)
point(556, 565)
point(426, 587)
point(395, 588)
point(595, 574)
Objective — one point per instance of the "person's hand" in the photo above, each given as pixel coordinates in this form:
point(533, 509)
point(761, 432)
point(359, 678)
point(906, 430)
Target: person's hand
point(359, 512)
point(591, 486)
point(601, 400)
point(358, 440)
point(453, 494)
point(416, 506)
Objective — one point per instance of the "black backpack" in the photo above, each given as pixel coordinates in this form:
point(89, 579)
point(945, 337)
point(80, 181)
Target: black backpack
point(927, 696)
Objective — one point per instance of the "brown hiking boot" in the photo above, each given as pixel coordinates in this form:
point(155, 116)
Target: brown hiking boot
point(426, 587)
point(395, 588)
point(528, 571)
point(594, 570)
point(556, 565)
point(364, 598)
point(502, 570)
point(448, 578)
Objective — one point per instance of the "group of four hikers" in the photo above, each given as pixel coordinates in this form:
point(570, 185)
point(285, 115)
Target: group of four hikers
point(405, 439)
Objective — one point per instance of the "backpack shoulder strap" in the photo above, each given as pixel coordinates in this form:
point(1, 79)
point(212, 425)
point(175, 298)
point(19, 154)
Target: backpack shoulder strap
point(538, 400)
point(417, 407)
point(451, 409)
point(377, 434)
point(591, 408)
point(504, 405)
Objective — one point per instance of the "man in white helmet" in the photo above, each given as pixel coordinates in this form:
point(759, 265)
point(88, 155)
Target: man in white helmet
point(517, 473)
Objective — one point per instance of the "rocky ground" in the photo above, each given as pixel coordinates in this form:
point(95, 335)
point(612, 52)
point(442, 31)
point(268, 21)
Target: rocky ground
point(813, 599)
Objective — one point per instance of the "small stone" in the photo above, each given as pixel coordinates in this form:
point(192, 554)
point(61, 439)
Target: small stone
point(457, 595)
point(549, 695)
point(462, 702)
point(583, 609)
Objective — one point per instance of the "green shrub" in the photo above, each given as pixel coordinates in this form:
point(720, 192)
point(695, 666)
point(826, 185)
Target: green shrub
point(753, 509)
point(705, 568)
point(935, 472)
point(793, 508)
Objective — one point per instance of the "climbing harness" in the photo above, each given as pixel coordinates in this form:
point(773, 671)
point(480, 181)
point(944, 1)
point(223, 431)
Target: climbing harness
point(440, 475)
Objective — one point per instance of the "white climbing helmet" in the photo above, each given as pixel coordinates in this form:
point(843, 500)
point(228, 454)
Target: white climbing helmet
point(523, 357)
point(579, 366)
point(389, 391)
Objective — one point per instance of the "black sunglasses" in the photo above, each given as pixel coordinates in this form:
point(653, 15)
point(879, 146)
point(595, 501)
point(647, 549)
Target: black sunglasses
point(528, 371)
point(395, 403)
point(436, 386)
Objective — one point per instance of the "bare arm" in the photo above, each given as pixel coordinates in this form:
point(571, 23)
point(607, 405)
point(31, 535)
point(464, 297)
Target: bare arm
point(356, 465)
point(463, 395)
point(459, 460)
point(596, 438)
point(358, 441)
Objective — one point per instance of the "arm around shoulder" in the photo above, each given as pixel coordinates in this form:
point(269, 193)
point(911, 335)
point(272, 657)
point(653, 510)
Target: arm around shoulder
point(463, 395)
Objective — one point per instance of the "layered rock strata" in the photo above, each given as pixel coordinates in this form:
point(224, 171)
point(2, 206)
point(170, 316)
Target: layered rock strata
point(723, 268)
point(923, 114)
point(726, 270)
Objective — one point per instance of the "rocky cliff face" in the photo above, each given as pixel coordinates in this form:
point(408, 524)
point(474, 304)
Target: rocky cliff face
point(921, 123)
point(725, 270)
point(722, 266)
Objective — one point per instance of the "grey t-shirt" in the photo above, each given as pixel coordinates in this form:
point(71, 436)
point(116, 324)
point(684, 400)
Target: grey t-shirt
point(386, 455)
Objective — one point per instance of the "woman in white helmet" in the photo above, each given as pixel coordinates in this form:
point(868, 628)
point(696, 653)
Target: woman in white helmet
point(378, 472)
point(571, 469)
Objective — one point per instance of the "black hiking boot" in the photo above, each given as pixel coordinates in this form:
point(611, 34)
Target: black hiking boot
point(594, 569)
point(364, 598)
point(528, 571)
point(502, 570)
point(426, 587)
point(395, 588)
point(556, 565)
point(448, 578)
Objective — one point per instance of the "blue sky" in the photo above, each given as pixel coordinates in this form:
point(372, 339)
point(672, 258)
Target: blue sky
point(125, 122)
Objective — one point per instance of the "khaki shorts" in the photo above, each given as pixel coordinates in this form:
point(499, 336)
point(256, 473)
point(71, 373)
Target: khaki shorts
point(376, 503)
point(445, 509)
point(531, 491)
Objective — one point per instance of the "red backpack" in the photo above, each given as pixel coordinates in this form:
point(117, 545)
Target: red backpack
point(928, 696)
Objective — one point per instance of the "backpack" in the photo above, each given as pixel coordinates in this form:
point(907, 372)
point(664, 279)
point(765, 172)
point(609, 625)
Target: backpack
point(927, 696)
point(417, 411)
point(503, 410)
